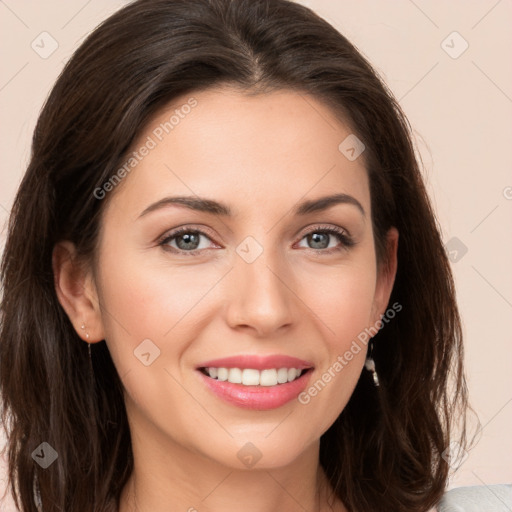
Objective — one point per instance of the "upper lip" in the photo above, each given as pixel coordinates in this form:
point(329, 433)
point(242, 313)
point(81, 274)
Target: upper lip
point(257, 362)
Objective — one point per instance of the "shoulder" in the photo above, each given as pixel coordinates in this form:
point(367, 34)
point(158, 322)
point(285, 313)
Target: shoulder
point(491, 498)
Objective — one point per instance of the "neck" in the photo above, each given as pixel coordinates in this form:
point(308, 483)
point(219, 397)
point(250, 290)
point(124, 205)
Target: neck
point(193, 483)
point(258, 493)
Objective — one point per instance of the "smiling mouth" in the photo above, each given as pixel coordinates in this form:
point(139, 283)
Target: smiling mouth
point(253, 377)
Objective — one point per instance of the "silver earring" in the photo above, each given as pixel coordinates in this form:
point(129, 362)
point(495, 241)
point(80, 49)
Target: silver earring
point(370, 366)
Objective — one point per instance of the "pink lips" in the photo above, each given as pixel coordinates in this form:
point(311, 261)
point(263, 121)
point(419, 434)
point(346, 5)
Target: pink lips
point(257, 397)
point(257, 362)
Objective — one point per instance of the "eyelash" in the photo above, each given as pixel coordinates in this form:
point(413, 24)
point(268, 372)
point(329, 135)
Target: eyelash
point(346, 240)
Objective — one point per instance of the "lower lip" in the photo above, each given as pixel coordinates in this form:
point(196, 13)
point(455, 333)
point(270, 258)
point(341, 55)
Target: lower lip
point(257, 397)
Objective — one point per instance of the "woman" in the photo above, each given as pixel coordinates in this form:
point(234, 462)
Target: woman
point(224, 203)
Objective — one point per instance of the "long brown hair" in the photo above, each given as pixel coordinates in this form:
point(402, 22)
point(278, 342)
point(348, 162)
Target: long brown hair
point(384, 452)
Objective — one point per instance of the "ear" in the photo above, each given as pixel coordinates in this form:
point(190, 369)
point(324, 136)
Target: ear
point(76, 291)
point(386, 273)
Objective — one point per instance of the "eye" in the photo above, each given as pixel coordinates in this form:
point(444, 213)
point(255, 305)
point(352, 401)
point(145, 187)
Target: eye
point(185, 241)
point(322, 238)
point(191, 241)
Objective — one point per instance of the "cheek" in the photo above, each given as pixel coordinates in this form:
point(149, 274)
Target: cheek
point(341, 299)
point(147, 309)
point(146, 299)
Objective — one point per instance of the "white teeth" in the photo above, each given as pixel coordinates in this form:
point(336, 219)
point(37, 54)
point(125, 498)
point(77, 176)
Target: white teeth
point(268, 378)
point(222, 373)
point(282, 375)
point(252, 377)
point(235, 376)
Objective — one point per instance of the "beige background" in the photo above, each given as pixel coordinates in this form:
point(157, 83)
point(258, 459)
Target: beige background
point(460, 109)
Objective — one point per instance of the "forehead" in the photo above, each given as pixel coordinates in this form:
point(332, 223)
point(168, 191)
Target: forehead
point(280, 146)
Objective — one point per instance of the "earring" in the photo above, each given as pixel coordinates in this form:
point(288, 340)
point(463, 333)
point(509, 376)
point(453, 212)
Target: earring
point(88, 346)
point(86, 334)
point(370, 366)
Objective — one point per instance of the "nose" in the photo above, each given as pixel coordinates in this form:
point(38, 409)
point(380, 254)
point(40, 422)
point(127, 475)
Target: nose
point(261, 298)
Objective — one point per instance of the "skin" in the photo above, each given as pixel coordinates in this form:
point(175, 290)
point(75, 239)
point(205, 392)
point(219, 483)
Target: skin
point(259, 155)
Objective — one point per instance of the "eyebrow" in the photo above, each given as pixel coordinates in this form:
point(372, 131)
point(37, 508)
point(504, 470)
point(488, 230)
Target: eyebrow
point(216, 208)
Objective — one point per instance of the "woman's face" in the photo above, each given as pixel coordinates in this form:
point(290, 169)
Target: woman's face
point(257, 274)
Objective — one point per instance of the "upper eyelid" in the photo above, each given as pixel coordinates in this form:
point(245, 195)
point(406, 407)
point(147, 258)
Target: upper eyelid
point(324, 227)
point(173, 233)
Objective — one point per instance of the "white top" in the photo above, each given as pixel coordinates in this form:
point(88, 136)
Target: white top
point(479, 498)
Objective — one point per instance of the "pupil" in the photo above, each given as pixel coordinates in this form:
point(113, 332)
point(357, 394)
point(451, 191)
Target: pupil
point(191, 241)
point(319, 240)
